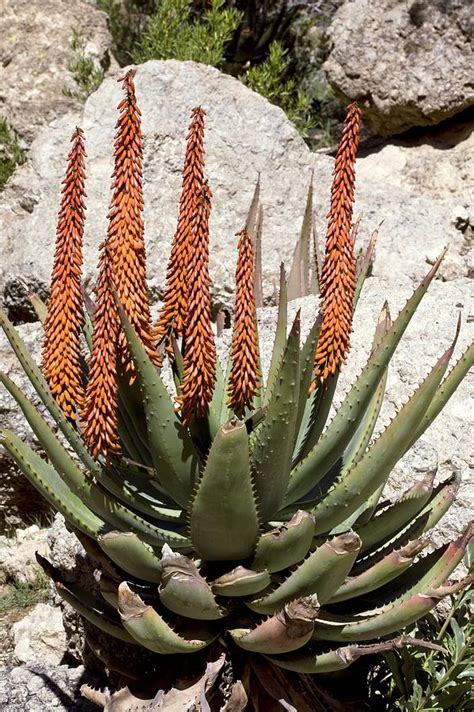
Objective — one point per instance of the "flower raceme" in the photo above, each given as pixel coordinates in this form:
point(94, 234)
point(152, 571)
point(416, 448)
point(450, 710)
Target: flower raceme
point(245, 373)
point(199, 348)
point(99, 413)
point(125, 234)
point(337, 282)
point(65, 316)
point(186, 312)
point(172, 319)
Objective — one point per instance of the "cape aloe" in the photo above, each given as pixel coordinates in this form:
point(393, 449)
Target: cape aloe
point(232, 515)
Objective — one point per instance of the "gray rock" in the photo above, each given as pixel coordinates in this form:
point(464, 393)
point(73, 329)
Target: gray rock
point(409, 63)
point(17, 555)
point(246, 135)
point(36, 52)
point(40, 687)
point(40, 635)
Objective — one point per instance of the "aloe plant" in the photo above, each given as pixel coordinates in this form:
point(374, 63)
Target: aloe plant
point(231, 517)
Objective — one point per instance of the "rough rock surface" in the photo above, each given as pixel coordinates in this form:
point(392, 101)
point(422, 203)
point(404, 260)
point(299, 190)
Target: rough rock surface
point(410, 63)
point(35, 53)
point(40, 635)
point(17, 555)
point(435, 162)
point(245, 135)
point(41, 687)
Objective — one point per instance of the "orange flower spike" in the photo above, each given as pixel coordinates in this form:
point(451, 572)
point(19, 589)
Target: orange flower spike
point(125, 234)
point(99, 413)
point(199, 377)
point(338, 273)
point(245, 374)
point(173, 313)
point(65, 317)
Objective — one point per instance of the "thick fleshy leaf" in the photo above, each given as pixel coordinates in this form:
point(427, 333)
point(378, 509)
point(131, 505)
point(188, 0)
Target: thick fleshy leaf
point(40, 307)
point(252, 215)
point(241, 582)
point(51, 486)
point(376, 464)
point(42, 389)
point(287, 630)
point(445, 391)
point(184, 591)
point(299, 276)
point(394, 518)
point(280, 337)
point(340, 658)
point(171, 447)
point(321, 573)
point(132, 555)
point(223, 517)
point(314, 465)
point(150, 630)
point(306, 376)
point(444, 564)
point(86, 604)
point(379, 623)
point(383, 571)
point(273, 447)
point(286, 545)
point(319, 403)
point(97, 499)
point(109, 590)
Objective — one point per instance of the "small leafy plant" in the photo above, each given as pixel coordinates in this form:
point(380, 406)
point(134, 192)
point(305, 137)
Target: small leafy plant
point(268, 79)
point(440, 679)
point(11, 155)
point(83, 69)
point(22, 595)
point(173, 33)
point(229, 524)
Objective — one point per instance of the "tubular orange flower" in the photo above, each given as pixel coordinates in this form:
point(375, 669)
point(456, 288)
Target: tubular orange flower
point(65, 317)
point(199, 375)
point(173, 313)
point(337, 283)
point(244, 375)
point(99, 414)
point(125, 234)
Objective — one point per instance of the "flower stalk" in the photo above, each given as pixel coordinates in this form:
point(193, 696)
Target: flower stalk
point(99, 415)
point(199, 376)
point(65, 316)
point(125, 234)
point(172, 318)
point(245, 373)
point(337, 283)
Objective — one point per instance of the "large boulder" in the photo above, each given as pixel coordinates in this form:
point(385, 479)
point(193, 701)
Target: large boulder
point(37, 50)
point(409, 63)
point(246, 136)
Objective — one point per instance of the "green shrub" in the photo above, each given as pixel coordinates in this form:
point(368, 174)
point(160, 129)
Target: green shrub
point(11, 154)
point(83, 69)
point(268, 79)
point(173, 33)
point(430, 680)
